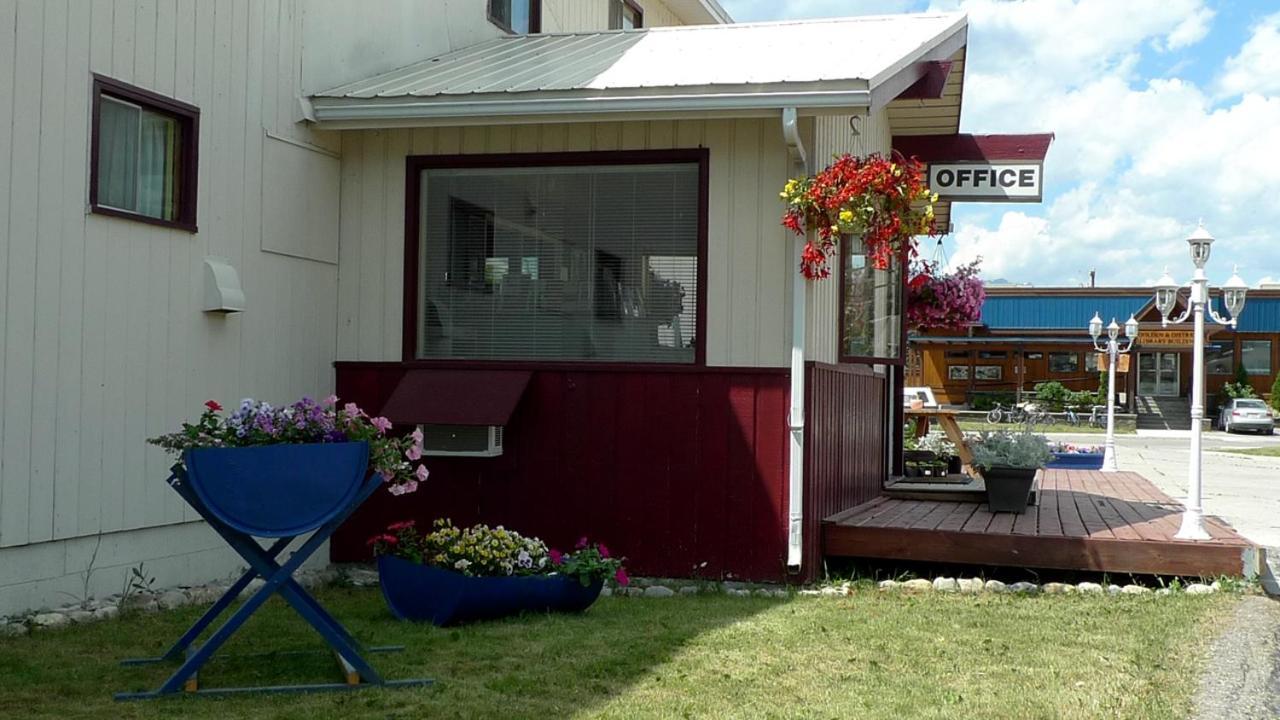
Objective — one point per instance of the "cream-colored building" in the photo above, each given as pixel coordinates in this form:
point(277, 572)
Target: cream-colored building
point(148, 149)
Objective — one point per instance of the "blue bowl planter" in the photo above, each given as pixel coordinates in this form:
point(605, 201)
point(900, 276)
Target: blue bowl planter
point(1076, 461)
point(442, 597)
point(277, 490)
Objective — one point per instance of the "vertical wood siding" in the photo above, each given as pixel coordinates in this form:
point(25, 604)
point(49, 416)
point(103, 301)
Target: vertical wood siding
point(672, 469)
point(832, 136)
point(844, 446)
point(748, 267)
point(103, 341)
point(586, 15)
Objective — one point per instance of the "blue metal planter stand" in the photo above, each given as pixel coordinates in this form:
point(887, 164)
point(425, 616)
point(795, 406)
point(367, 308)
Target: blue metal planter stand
point(278, 578)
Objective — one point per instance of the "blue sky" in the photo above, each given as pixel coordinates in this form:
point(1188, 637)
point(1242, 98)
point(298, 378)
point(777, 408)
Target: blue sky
point(1165, 112)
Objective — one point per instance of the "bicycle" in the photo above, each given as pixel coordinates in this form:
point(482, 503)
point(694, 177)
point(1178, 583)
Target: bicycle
point(1098, 417)
point(1001, 413)
point(1071, 417)
point(1036, 416)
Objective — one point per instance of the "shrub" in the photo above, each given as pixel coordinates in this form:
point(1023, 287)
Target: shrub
point(1052, 394)
point(1023, 449)
point(1275, 392)
point(988, 400)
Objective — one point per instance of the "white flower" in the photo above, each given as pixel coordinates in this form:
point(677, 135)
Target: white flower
point(524, 559)
point(462, 564)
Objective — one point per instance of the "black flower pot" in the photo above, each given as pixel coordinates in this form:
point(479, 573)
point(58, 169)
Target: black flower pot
point(954, 465)
point(1008, 488)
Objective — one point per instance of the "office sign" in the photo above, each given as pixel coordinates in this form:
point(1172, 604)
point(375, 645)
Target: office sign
point(987, 181)
point(1122, 363)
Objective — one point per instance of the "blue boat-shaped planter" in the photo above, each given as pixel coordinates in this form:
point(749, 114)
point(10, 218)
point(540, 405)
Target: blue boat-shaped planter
point(277, 490)
point(1076, 461)
point(424, 593)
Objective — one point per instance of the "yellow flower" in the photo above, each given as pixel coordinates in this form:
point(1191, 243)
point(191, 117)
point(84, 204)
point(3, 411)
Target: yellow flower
point(933, 198)
point(846, 216)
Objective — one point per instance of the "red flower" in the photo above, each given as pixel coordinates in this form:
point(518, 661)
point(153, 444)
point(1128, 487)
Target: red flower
point(604, 551)
point(621, 577)
point(556, 557)
point(213, 405)
point(402, 525)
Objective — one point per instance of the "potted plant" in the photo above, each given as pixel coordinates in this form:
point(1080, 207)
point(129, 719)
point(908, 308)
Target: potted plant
point(944, 450)
point(453, 575)
point(282, 471)
point(1009, 461)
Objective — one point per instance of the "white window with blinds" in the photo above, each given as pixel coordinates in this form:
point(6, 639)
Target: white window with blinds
point(593, 263)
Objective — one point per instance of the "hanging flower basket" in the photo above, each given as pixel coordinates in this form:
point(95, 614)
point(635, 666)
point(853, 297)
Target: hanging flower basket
point(884, 201)
point(944, 301)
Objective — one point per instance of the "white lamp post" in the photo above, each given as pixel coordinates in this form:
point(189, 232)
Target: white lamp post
point(1113, 350)
point(1198, 304)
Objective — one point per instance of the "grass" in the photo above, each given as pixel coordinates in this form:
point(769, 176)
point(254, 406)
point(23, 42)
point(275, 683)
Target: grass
point(1082, 429)
point(871, 655)
point(1269, 451)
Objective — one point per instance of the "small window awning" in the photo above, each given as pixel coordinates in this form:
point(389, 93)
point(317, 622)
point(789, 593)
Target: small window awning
point(456, 397)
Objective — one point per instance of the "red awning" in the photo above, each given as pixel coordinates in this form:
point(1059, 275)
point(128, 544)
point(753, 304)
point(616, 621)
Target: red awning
point(963, 147)
point(456, 397)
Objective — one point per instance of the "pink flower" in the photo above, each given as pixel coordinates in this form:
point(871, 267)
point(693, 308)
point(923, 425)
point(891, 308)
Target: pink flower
point(403, 488)
point(381, 423)
point(352, 410)
point(402, 525)
point(213, 405)
point(604, 551)
point(414, 453)
point(556, 556)
point(582, 542)
point(417, 437)
point(331, 400)
point(621, 578)
point(421, 473)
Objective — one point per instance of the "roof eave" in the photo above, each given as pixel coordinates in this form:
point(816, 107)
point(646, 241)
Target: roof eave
point(350, 113)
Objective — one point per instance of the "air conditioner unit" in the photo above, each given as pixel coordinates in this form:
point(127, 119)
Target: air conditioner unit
point(462, 440)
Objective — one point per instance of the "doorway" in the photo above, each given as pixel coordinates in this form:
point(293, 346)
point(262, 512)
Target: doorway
point(1158, 374)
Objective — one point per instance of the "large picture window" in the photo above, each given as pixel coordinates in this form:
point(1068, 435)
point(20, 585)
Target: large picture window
point(871, 311)
point(143, 164)
point(560, 262)
point(1220, 358)
point(1061, 362)
point(625, 15)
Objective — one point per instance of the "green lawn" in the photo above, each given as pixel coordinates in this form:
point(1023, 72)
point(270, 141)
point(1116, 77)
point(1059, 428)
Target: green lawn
point(872, 655)
point(1269, 451)
point(1083, 428)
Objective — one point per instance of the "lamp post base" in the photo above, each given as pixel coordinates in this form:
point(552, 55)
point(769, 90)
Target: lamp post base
point(1192, 526)
point(1109, 460)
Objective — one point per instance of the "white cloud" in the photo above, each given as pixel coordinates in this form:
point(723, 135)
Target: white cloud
point(1256, 68)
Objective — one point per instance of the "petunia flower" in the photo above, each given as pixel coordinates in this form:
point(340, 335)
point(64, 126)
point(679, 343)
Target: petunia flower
point(402, 525)
point(621, 578)
point(421, 473)
point(557, 557)
point(381, 423)
point(414, 453)
point(604, 551)
point(331, 400)
point(213, 405)
point(582, 542)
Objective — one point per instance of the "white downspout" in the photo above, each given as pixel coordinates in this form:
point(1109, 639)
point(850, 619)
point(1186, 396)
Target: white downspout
point(795, 418)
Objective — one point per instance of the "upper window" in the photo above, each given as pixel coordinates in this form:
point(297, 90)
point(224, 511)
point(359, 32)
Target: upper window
point(143, 162)
point(625, 15)
point(1060, 362)
point(560, 262)
point(1256, 356)
point(520, 17)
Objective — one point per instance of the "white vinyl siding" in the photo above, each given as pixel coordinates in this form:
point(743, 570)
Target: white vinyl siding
point(102, 341)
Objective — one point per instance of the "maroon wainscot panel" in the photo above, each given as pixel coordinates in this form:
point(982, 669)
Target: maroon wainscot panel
point(683, 471)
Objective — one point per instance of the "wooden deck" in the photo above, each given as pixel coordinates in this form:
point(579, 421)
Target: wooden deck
point(1085, 520)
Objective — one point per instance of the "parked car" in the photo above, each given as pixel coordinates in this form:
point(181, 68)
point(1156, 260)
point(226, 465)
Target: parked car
point(1246, 414)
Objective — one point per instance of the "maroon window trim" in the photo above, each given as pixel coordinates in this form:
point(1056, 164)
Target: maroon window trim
point(415, 164)
point(535, 16)
point(188, 117)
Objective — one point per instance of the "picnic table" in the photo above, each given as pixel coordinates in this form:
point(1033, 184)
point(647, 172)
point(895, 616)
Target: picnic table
point(947, 421)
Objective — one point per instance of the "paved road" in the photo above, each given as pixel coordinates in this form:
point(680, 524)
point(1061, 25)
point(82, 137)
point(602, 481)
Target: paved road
point(1243, 490)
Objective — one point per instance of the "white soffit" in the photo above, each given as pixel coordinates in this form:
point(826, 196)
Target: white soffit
point(821, 64)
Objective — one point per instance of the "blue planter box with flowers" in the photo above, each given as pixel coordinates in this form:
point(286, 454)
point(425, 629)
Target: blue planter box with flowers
point(443, 597)
point(1076, 457)
point(454, 575)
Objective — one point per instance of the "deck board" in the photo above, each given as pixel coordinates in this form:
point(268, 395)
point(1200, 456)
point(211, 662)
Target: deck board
point(1085, 520)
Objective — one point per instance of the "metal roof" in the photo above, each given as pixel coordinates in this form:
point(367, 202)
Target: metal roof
point(1047, 312)
point(834, 63)
point(1259, 314)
